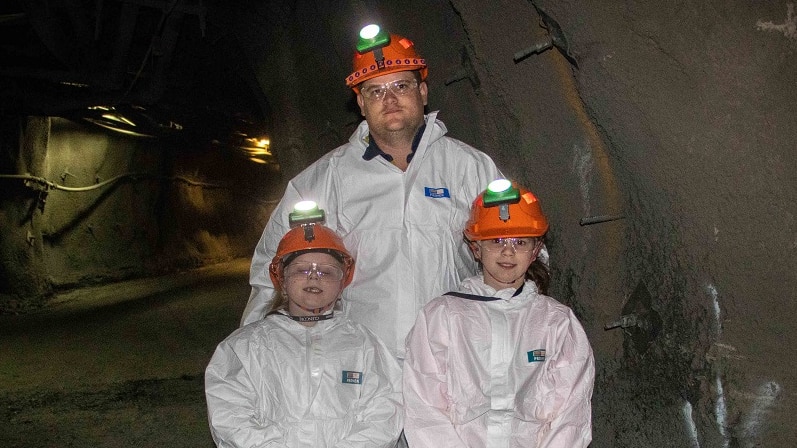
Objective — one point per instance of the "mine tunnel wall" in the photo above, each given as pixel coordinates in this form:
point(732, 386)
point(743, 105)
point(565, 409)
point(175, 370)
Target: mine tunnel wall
point(111, 207)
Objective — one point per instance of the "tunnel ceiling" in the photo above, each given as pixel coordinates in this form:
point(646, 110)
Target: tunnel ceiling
point(173, 66)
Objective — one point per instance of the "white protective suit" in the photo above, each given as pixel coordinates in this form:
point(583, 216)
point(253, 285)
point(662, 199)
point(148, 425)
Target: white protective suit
point(277, 383)
point(515, 372)
point(404, 228)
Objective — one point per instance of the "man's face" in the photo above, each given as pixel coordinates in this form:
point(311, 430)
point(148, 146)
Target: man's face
point(394, 112)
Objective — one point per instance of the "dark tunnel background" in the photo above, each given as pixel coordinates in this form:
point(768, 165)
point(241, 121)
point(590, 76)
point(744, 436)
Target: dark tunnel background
point(660, 138)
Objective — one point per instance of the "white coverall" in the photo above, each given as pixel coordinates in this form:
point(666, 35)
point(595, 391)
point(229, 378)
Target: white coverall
point(403, 227)
point(277, 383)
point(515, 372)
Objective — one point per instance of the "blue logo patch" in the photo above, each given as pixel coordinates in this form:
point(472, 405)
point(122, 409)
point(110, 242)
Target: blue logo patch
point(536, 355)
point(440, 192)
point(350, 377)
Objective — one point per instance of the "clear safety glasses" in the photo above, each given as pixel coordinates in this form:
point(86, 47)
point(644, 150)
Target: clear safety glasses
point(519, 245)
point(399, 87)
point(323, 272)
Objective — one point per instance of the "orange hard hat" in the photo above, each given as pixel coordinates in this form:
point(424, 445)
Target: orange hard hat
point(310, 238)
point(393, 53)
point(524, 216)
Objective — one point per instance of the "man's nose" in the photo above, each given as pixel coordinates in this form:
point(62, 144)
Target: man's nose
point(389, 95)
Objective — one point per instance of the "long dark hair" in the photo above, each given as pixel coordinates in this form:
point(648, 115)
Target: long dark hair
point(539, 273)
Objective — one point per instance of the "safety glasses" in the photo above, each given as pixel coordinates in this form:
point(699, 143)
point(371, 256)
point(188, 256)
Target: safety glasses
point(399, 87)
point(304, 270)
point(519, 245)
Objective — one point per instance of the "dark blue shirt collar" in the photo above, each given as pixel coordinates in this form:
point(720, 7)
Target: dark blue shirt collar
point(374, 150)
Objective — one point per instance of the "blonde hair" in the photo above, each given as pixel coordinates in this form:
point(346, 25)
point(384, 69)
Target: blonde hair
point(279, 302)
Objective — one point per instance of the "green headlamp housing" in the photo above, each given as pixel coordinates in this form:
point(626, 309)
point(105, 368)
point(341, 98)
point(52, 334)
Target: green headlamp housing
point(306, 214)
point(500, 193)
point(372, 37)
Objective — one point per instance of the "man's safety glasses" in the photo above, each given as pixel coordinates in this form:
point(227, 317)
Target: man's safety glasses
point(323, 272)
point(519, 245)
point(399, 87)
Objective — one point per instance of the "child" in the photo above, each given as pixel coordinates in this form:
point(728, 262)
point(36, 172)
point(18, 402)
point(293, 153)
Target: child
point(499, 364)
point(304, 376)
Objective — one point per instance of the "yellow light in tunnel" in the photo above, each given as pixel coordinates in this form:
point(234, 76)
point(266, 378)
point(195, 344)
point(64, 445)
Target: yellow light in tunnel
point(118, 118)
point(115, 128)
point(258, 142)
point(256, 149)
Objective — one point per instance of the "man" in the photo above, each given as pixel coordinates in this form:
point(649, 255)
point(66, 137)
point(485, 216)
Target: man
point(399, 193)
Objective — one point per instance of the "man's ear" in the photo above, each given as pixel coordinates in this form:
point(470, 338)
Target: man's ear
point(360, 102)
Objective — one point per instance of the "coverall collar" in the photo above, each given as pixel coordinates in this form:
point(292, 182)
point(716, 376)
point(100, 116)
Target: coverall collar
point(374, 150)
point(476, 285)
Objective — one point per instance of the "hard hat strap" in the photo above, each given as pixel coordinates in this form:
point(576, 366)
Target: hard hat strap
point(310, 318)
point(316, 311)
point(379, 57)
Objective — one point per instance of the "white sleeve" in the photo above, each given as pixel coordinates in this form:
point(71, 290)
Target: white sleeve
point(232, 401)
point(426, 400)
point(573, 373)
point(488, 171)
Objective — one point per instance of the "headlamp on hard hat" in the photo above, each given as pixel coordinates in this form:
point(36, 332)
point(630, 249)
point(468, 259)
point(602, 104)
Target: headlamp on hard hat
point(500, 193)
point(372, 37)
point(306, 214)
point(379, 53)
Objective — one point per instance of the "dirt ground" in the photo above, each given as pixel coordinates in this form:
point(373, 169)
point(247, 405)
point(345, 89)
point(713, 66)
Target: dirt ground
point(118, 365)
